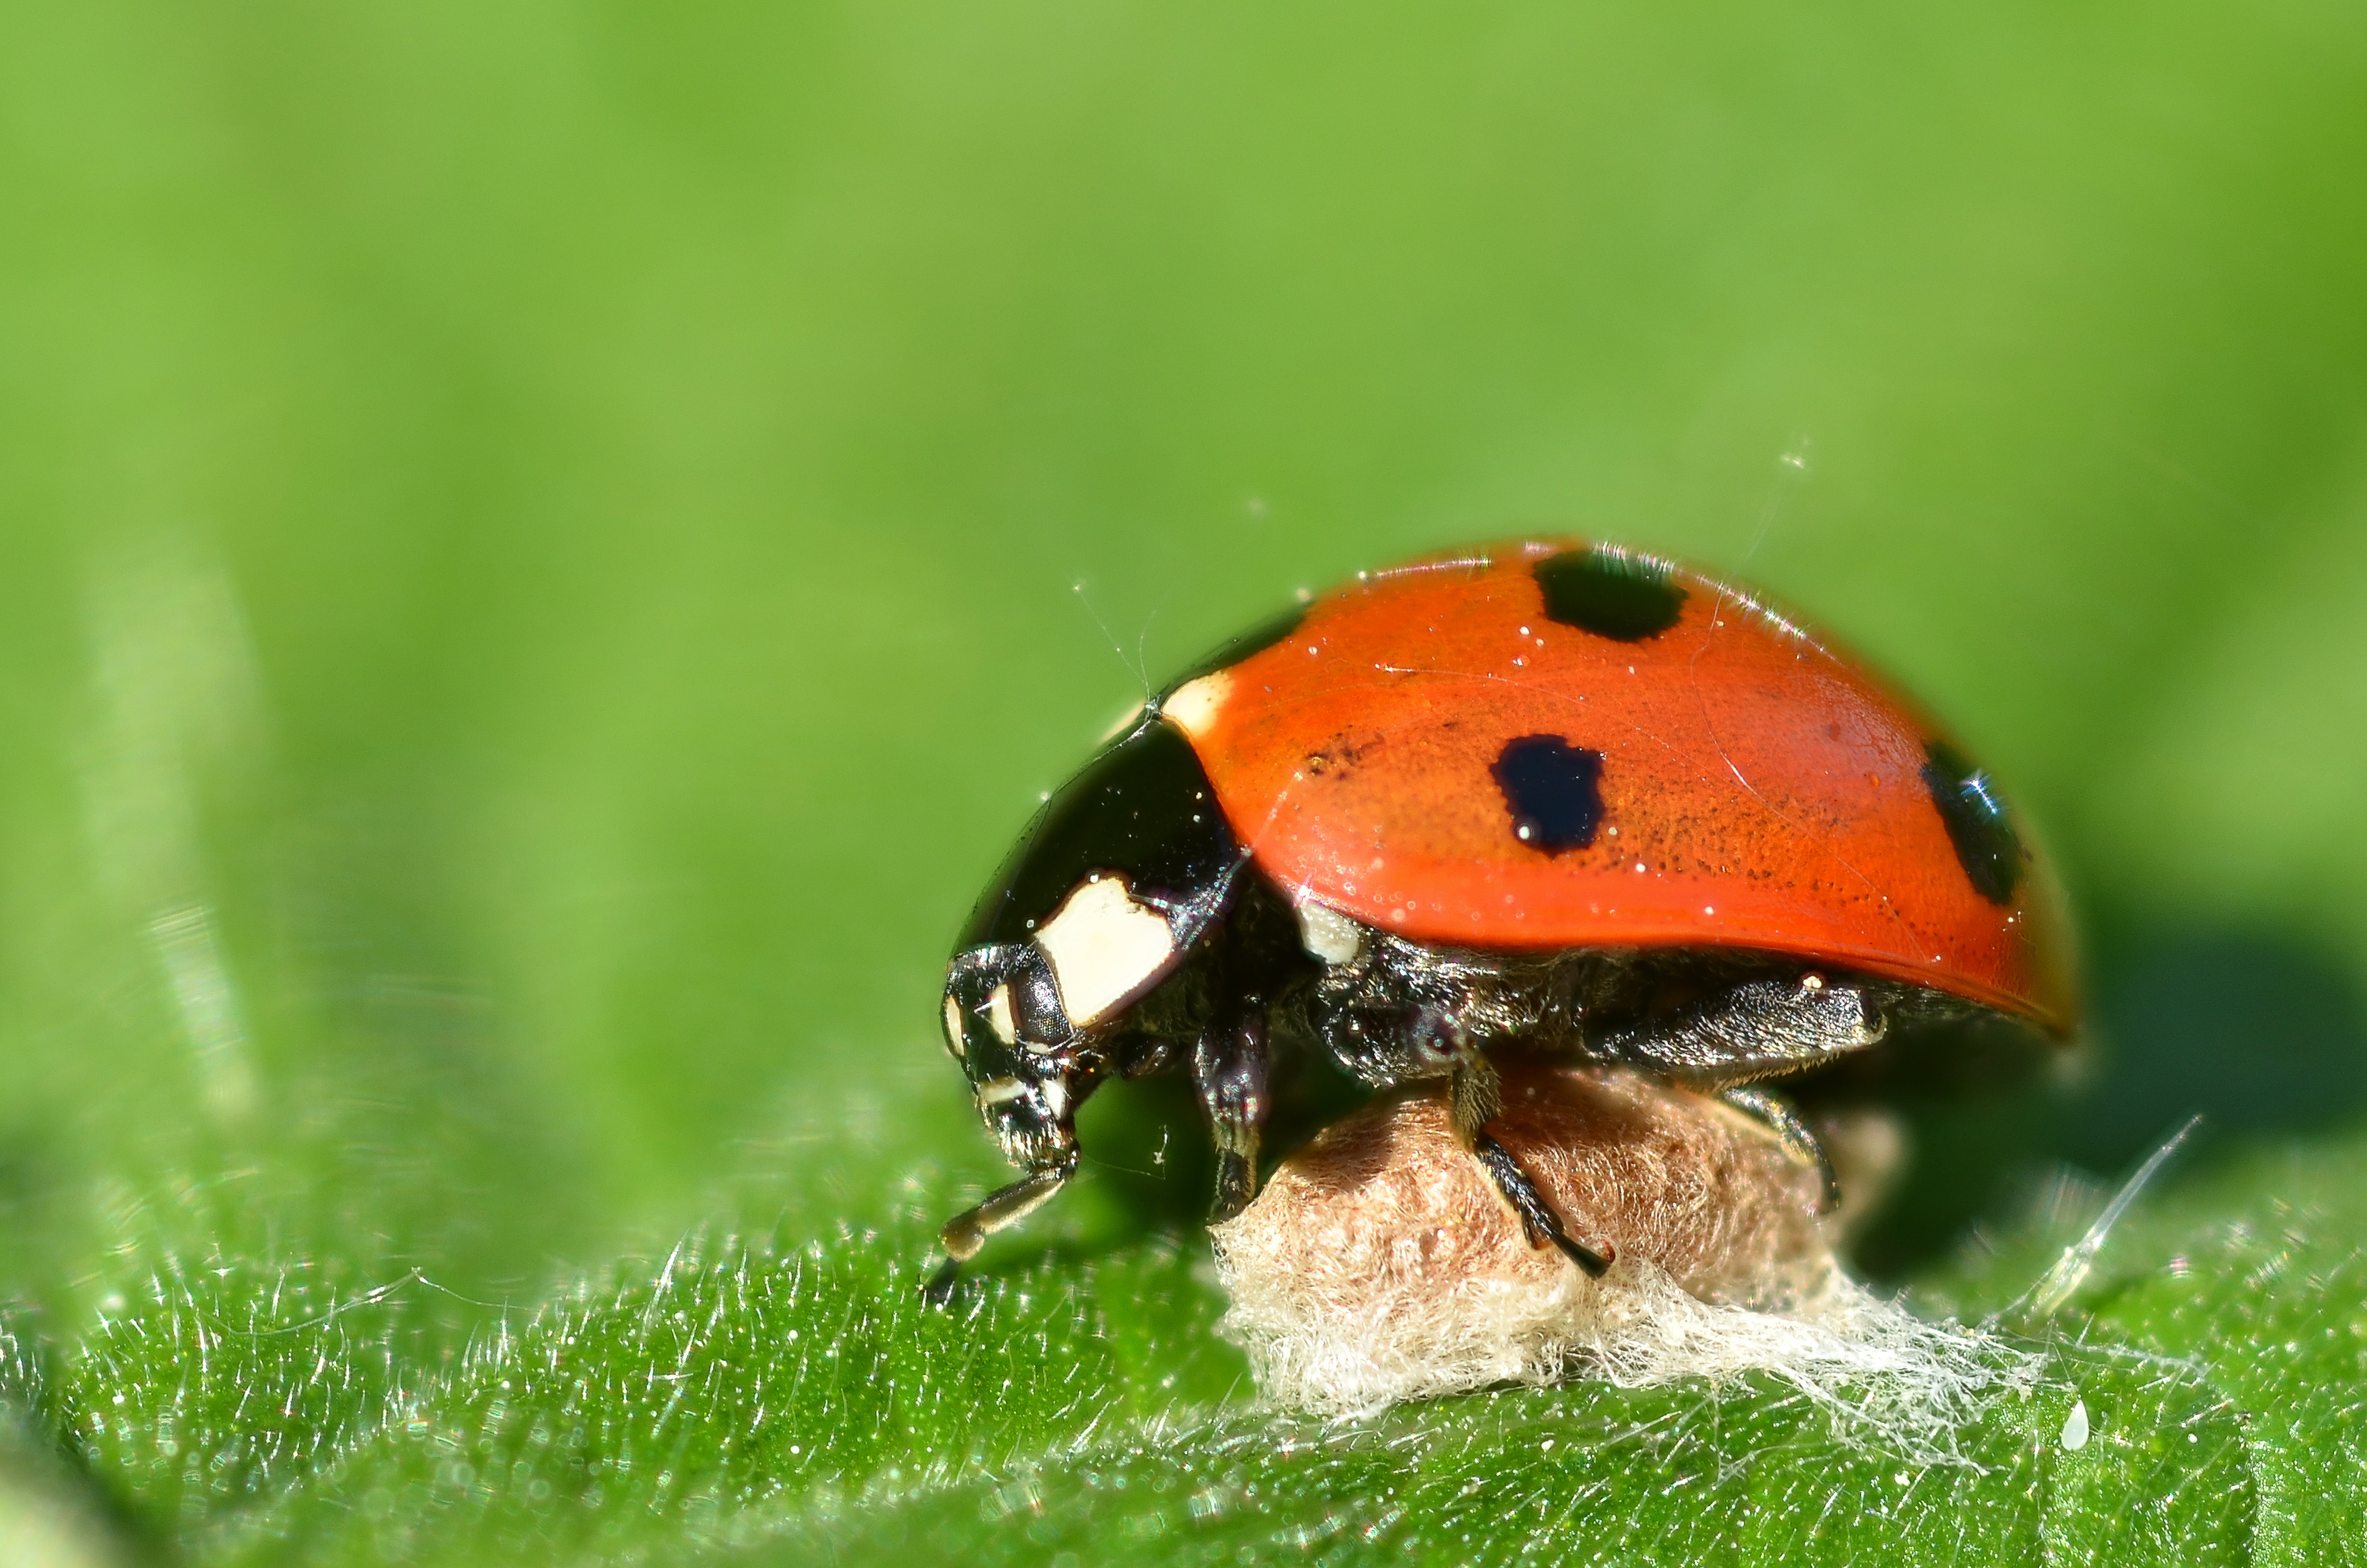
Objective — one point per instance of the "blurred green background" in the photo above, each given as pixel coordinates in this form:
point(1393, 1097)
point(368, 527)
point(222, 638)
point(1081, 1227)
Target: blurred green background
point(546, 550)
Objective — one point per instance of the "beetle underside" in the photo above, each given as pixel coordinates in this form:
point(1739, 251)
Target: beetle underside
point(1272, 980)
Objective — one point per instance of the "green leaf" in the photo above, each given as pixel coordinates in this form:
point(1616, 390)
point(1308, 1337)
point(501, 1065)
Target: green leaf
point(752, 1401)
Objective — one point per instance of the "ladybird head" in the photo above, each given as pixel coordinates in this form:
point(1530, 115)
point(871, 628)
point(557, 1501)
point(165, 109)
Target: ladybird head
point(1119, 875)
point(1004, 1025)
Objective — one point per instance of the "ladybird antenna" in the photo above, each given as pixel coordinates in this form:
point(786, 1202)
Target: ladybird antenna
point(1134, 664)
point(2057, 1286)
point(1791, 471)
point(1141, 660)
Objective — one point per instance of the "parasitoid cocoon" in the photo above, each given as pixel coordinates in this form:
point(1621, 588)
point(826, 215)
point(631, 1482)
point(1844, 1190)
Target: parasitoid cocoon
point(1379, 1264)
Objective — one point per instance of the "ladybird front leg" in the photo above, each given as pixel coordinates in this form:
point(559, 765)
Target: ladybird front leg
point(1005, 1206)
point(1229, 1069)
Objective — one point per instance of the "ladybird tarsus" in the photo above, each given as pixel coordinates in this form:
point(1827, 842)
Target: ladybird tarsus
point(939, 1288)
point(1593, 1264)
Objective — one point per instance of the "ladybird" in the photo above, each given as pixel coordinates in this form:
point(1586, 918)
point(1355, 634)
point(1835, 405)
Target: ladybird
point(1552, 797)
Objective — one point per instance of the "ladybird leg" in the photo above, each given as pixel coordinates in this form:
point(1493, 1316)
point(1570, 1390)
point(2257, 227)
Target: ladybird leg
point(1757, 1030)
point(1005, 1206)
point(1475, 1097)
point(1228, 1069)
point(1775, 1113)
point(1538, 1222)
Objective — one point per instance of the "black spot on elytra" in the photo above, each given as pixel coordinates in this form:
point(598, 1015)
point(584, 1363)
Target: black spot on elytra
point(1609, 592)
point(1555, 789)
point(1978, 824)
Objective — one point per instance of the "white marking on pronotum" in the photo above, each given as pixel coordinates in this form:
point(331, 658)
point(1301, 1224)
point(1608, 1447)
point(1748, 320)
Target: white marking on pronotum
point(998, 1014)
point(2075, 1426)
point(954, 1028)
point(1194, 706)
point(1328, 934)
point(1103, 947)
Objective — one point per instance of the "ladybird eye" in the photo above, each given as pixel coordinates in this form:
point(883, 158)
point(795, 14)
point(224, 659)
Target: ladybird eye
point(1433, 1035)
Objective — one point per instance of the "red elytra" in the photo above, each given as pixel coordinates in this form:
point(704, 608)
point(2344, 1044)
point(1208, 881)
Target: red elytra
point(1758, 789)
